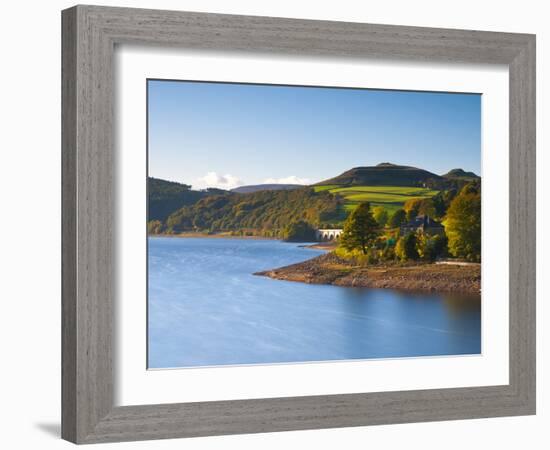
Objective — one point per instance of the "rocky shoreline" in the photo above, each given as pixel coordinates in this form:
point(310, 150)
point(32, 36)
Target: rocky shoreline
point(331, 269)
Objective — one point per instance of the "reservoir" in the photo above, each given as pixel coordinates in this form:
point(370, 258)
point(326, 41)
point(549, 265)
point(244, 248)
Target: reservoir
point(206, 308)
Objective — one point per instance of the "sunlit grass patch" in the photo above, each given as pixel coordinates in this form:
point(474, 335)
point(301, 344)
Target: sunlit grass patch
point(327, 187)
point(391, 198)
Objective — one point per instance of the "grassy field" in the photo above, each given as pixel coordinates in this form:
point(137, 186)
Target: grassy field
point(326, 187)
point(389, 197)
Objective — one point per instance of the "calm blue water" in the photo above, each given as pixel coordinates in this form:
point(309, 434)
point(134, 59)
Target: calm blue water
point(206, 308)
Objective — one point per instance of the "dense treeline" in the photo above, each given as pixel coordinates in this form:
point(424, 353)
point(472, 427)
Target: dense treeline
point(267, 213)
point(447, 183)
point(369, 236)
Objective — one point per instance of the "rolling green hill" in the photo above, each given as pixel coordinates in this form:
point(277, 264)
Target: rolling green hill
point(384, 174)
point(390, 185)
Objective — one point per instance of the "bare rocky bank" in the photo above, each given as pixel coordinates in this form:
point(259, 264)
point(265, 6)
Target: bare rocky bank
point(330, 269)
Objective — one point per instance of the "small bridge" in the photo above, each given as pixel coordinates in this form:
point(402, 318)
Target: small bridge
point(328, 234)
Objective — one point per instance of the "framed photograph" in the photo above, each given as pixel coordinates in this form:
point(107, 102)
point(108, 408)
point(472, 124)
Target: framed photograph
point(278, 224)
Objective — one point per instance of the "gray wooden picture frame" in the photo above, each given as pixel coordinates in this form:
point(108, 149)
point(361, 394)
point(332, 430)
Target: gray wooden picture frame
point(90, 34)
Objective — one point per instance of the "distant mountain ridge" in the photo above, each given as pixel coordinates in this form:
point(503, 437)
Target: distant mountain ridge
point(265, 187)
point(383, 174)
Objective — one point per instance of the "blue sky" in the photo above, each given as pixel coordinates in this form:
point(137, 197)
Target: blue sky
point(227, 135)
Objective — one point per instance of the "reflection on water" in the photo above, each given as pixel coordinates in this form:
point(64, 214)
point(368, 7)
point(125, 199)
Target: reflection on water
point(206, 308)
point(457, 304)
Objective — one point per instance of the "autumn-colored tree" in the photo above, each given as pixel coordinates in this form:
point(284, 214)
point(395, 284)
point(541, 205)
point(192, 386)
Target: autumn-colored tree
point(419, 206)
point(412, 204)
point(463, 225)
point(426, 207)
point(360, 229)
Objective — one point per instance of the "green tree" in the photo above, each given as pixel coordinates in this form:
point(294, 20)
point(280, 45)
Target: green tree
point(405, 249)
point(440, 204)
point(360, 229)
point(431, 247)
point(299, 231)
point(440, 245)
point(380, 215)
point(399, 217)
point(463, 225)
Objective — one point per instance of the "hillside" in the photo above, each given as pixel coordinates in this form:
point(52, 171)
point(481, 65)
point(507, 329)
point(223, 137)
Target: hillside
point(264, 212)
point(461, 174)
point(165, 197)
point(267, 209)
point(265, 187)
point(384, 174)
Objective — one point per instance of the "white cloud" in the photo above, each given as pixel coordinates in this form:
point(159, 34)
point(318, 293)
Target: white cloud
point(292, 179)
point(212, 179)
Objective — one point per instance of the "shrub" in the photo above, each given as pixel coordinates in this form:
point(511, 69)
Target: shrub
point(405, 249)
